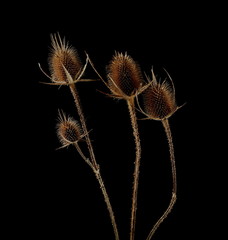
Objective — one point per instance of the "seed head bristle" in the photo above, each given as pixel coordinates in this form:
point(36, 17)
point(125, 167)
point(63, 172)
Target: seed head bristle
point(62, 55)
point(159, 100)
point(68, 130)
point(124, 75)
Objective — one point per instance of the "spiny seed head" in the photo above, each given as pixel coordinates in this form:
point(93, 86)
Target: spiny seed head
point(124, 75)
point(68, 130)
point(159, 100)
point(63, 56)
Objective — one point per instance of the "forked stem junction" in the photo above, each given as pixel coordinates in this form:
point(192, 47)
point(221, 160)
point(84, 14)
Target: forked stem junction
point(92, 163)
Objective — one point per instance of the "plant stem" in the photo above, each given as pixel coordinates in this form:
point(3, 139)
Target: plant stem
point(87, 160)
point(75, 94)
point(107, 201)
point(92, 163)
point(166, 126)
point(171, 150)
point(134, 124)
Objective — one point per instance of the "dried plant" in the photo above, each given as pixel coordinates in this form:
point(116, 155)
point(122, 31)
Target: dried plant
point(66, 69)
point(160, 104)
point(125, 81)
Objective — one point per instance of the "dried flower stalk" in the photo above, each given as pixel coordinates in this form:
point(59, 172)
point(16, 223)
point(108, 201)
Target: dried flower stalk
point(125, 81)
point(160, 104)
point(66, 69)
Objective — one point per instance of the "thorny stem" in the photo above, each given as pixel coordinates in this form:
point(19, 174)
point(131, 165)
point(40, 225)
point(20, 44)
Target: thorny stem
point(166, 126)
point(107, 201)
point(82, 120)
point(83, 156)
point(171, 150)
point(92, 163)
point(103, 189)
point(134, 124)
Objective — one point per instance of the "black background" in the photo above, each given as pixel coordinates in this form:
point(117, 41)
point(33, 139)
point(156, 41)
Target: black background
point(52, 193)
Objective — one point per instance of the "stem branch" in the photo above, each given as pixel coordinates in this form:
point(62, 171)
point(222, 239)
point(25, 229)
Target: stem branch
point(82, 120)
point(134, 124)
point(92, 162)
point(107, 201)
point(166, 126)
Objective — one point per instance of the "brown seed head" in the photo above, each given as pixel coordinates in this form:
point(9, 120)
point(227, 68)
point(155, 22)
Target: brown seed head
point(125, 76)
point(63, 56)
point(68, 130)
point(159, 100)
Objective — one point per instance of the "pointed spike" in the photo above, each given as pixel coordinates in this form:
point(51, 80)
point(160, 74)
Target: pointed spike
point(170, 80)
point(43, 71)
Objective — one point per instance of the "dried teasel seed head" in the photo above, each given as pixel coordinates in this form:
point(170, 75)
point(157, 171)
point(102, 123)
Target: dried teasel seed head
point(159, 99)
point(63, 58)
point(124, 76)
point(68, 130)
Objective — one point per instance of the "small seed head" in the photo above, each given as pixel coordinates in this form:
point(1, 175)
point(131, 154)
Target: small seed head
point(124, 75)
point(63, 56)
point(68, 130)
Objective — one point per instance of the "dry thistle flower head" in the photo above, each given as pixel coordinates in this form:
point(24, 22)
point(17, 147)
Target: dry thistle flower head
point(63, 60)
point(124, 76)
point(159, 99)
point(68, 130)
